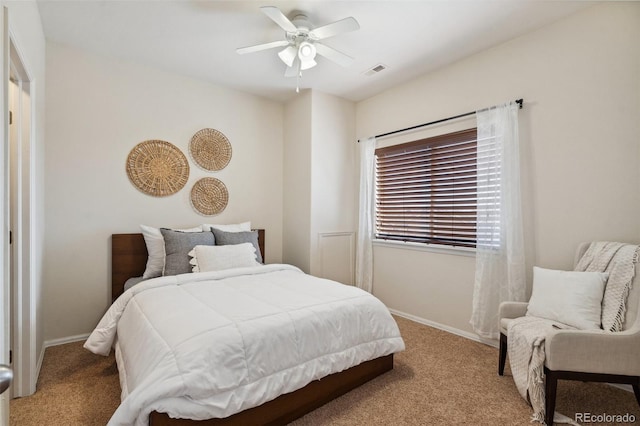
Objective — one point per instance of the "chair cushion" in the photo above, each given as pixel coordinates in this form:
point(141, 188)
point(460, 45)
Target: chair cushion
point(569, 297)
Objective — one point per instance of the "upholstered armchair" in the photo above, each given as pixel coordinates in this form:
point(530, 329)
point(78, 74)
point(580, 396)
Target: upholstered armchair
point(586, 355)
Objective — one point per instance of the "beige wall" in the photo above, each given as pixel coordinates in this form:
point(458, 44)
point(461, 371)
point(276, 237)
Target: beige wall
point(319, 180)
point(334, 196)
point(579, 144)
point(297, 181)
point(98, 109)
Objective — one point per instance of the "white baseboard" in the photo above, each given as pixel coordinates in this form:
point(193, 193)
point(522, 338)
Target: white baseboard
point(627, 388)
point(447, 328)
point(64, 340)
point(39, 364)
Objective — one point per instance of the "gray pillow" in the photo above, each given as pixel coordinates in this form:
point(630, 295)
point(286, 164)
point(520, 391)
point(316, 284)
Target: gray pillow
point(228, 238)
point(177, 246)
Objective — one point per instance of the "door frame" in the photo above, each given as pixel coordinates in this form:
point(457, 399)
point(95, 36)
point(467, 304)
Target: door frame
point(23, 339)
point(5, 303)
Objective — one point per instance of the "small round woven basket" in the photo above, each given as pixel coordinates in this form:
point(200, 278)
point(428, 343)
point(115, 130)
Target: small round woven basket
point(157, 168)
point(210, 149)
point(209, 196)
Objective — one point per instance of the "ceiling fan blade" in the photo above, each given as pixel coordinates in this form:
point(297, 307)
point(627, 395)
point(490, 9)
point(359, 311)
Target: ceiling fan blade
point(259, 47)
point(342, 26)
point(294, 70)
point(333, 54)
point(278, 17)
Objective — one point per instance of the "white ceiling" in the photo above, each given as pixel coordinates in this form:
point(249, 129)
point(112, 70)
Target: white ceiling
point(199, 38)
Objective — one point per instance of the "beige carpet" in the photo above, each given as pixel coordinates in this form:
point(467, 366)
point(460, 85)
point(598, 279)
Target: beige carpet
point(441, 379)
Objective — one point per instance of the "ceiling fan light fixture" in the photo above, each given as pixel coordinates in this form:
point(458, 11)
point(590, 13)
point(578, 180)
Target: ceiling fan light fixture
point(307, 53)
point(309, 63)
point(288, 55)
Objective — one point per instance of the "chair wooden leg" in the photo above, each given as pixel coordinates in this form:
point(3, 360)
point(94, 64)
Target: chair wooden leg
point(636, 390)
point(551, 384)
point(503, 354)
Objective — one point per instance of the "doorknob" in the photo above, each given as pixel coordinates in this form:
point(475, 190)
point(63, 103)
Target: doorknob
point(6, 375)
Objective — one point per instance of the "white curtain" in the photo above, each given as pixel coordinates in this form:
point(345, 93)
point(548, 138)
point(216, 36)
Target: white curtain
point(364, 248)
point(500, 271)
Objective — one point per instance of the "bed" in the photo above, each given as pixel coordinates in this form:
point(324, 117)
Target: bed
point(266, 392)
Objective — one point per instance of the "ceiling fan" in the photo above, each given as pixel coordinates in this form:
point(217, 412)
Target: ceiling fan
point(302, 41)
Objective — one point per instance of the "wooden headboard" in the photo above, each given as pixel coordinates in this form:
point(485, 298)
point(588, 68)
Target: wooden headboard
point(129, 259)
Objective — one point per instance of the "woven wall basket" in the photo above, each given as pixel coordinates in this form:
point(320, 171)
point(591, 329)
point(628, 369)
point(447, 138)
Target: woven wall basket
point(209, 196)
point(157, 168)
point(210, 149)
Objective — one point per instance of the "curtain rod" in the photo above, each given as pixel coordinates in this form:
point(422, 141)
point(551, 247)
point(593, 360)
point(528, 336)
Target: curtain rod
point(518, 101)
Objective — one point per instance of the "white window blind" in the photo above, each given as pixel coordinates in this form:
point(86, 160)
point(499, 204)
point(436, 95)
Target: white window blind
point(426, 190)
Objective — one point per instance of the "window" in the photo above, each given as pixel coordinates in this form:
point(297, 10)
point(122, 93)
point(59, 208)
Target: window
point(426, 190)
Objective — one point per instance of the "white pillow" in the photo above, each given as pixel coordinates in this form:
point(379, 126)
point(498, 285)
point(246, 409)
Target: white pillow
point(570, 297)
point(155, 247)
point(235, 227)
point(217, 258)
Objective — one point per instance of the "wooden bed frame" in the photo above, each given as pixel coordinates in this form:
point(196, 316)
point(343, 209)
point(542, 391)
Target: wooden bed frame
point(129, 259)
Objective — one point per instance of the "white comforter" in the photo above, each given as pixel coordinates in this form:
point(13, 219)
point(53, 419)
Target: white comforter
point(212, 344)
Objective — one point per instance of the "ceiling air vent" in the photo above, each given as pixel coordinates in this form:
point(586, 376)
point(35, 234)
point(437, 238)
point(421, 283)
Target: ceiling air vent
point(375, 70)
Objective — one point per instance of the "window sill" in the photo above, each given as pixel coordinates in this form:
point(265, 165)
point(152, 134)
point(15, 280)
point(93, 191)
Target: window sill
point(433, 248)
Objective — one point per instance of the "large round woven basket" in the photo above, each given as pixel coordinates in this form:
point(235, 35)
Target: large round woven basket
point(210, 149)
point(157, 168)
point(209, 196)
